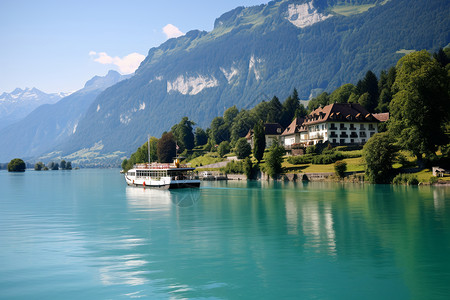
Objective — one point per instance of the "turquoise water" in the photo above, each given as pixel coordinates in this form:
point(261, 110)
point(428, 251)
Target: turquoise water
point(84, 234)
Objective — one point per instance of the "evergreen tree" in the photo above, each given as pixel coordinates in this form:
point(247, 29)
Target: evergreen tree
point(290, 107)
point(62, 164)
point(259, 141)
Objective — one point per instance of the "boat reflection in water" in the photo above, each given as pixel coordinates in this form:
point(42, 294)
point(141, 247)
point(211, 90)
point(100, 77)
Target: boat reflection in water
point(161, 200)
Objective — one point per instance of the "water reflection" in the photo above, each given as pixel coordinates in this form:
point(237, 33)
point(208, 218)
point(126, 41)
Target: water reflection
point(156, 199)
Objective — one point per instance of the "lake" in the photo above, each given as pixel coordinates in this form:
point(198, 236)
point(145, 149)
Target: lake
point(84, 234)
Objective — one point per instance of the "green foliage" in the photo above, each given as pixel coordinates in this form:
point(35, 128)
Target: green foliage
point(234, 167)
point(369, 86)
point(201, 138)
point(62, 164)
point(321, 100)
point(219, 131)
point(243, 122)
point(248, 168)
point(433, 180)
point(69, 165)
point(301, 159)
point(224, 148)
point(420, 106)
point(53, 166)
point(379, 153)
point(243, 148)
point(259, 141)
point(340, 167)
point(16, 165)
point(39, 166)
point(311, 149)
point(407, 179)
point(166, 150)
point(274, 159)
point(183, 134)
point(325, 159)
point(342, 94)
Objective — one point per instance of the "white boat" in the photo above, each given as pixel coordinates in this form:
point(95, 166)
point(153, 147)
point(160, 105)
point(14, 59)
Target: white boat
point(164, 176)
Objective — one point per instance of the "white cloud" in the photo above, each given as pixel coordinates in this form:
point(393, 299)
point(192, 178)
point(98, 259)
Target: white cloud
point(172, 31)
point(127, 64)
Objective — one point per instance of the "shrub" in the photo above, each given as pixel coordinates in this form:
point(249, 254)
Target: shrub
point(310, 149)
point(340, 167)
point(301, 159)
point(433, 180)
point(405, 179)
point(326, 159)
point(234, 167)
point(412, 180)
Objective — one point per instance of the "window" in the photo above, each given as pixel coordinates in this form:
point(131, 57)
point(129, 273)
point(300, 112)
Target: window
point(334, 141)
point(352, 141)
point(342, 141)
point(361, 127)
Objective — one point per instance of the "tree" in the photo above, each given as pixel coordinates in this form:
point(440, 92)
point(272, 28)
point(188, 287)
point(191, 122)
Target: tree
point(369, 85)
point(301, 111)
point(243, 122)
point(230, 114)
point(16, 165)
point(224, 148)
point(340, 167)
point(259, 141)
point(274, 159)
point(62, 164)
point(243, 148)
point(166, 148)
point(321, 100)
point(379, 153)
point(68, 165)
point(201, 138)
point(39, 166)
point(218, 131)
point(290, 107)
point(342, 94)
point(274, 110)
point(53, 166)
point(248, 167)
point(183, 134)
point(420, 106)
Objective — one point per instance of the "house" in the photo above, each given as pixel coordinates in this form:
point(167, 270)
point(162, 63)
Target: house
point(294, 133)
point(272, 132)
point(338, 123)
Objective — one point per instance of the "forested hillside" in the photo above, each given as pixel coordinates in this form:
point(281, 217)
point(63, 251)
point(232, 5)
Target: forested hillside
point(255, 53)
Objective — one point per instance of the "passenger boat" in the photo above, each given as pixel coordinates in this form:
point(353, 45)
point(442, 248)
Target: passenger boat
point(164, 176)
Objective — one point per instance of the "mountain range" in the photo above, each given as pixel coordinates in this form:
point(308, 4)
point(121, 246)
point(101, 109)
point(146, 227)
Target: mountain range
point(252, 54)
point(50, 124)
point(20, 102)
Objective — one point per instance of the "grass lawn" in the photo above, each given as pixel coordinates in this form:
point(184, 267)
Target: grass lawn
point(353, 165)
point(208, 158)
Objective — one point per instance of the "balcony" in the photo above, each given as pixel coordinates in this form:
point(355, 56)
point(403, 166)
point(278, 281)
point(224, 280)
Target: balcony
point(353, 135)
point(344, 135)
point(333, 134)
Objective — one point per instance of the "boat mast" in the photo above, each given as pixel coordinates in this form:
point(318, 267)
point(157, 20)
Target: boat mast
point(148, 146)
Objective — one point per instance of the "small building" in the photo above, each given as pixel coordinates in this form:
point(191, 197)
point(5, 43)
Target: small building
point(272, 132)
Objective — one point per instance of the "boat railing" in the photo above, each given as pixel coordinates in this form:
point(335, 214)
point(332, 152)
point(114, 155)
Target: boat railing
point(159, 166)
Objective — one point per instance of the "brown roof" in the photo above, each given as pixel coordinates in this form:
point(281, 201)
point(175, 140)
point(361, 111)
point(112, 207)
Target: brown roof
point(342, 112)
point(294, 127)
point(249, 134)
point(272, 129)
point(382, 117)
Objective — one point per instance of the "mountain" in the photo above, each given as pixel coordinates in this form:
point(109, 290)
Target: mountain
point(19, 103)
point(252, 54)
point(50, 124)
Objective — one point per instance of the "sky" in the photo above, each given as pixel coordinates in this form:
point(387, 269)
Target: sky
point(56, 46)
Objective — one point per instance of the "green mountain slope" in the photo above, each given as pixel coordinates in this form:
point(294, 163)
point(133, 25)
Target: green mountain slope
point(252, 54)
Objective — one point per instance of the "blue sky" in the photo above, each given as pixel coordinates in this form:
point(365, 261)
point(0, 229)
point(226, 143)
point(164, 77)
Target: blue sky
point(56, 46)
